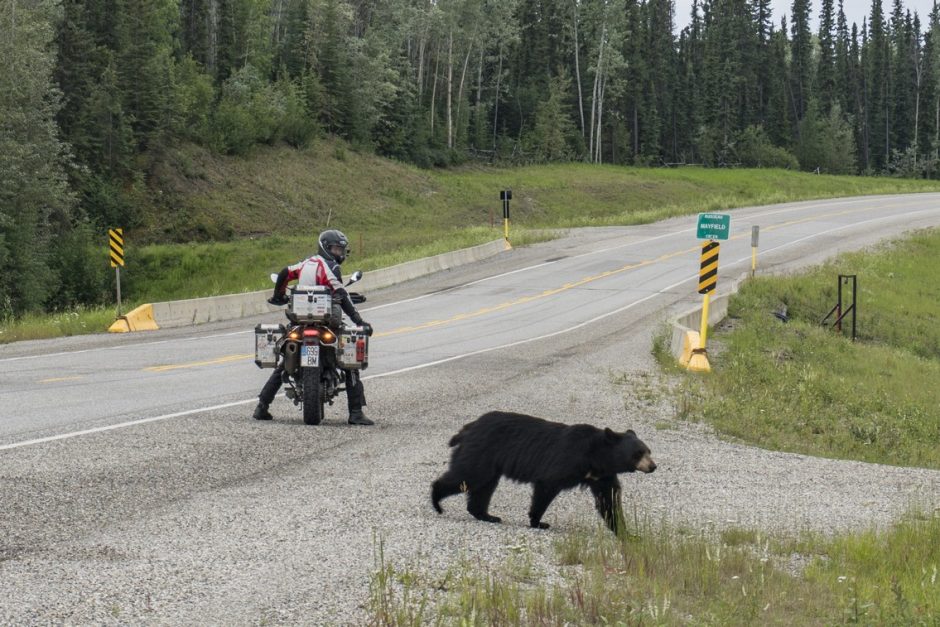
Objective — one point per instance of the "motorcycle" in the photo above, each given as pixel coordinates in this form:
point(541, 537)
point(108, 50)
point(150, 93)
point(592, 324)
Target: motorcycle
point(320, 352)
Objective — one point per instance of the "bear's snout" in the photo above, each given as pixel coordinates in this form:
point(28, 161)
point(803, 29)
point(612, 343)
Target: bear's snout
point(646, 464)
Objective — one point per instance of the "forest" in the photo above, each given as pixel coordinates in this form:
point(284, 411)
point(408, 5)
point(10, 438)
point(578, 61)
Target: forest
point(95, 94)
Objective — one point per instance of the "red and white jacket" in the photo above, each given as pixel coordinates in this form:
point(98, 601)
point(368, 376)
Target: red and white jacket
point(318, 271)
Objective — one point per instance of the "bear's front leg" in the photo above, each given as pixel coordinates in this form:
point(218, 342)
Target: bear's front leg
point(542, 496)
point(606, 492)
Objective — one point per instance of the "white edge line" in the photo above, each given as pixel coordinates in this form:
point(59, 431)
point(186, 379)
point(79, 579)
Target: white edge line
point(580, 325)
point(121, 425)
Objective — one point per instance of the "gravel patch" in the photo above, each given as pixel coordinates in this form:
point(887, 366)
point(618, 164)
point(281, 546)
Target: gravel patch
point(217, 519)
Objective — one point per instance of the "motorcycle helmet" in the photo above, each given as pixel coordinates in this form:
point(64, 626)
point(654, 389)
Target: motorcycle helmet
point(329, 239)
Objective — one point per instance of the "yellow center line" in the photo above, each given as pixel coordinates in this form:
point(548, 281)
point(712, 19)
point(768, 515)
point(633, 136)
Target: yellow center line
point(591, 279)
point(197, 364)
point(525, 299)
point(57, 379)
point(528, 299)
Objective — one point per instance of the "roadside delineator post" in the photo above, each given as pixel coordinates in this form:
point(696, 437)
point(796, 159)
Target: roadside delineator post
point(755, 234)
point(506, 195)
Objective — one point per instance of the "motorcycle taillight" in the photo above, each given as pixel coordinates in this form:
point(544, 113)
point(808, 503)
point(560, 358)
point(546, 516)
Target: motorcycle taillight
point(311, 332)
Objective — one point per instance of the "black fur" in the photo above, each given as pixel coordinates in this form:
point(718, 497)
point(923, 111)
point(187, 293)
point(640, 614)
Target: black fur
point(550, 455)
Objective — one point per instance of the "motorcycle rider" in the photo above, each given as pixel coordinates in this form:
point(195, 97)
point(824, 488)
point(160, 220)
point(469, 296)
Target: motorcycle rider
point(320, 269)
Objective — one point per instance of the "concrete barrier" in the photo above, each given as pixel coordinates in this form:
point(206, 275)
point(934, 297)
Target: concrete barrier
point(686, 326)
point(180, 313)
point(137, 319)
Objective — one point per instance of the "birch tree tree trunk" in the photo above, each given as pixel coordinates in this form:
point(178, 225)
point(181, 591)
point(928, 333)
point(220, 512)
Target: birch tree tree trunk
point(437, 63)
point(422, 44)
point(918, 71)
point(595, 96)
point(600, 119)
point(577, 65)
point(463, 75)
point(450, 88)
point(499, 75)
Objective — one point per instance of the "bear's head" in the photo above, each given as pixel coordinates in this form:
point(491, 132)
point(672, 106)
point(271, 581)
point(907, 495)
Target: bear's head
point(621, 452)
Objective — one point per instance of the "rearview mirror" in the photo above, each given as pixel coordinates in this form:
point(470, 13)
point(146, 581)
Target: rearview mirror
point(355, 277)
point(273, 277)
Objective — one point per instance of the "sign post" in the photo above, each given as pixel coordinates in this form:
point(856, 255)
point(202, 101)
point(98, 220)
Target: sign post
point(506, 195)
point(711, 227)
point(116, 242)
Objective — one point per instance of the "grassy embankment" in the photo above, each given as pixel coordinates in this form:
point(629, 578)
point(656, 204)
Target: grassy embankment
point(796, 387)
point(249, 217)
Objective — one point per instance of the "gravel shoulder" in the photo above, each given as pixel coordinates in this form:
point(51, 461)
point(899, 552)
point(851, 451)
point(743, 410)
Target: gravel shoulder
point(217, 519)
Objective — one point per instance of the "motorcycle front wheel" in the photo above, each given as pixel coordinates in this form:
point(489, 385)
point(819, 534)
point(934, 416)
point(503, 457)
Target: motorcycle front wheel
point(313, 404)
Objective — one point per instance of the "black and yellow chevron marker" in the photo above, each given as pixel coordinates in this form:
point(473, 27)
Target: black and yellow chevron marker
point(708, 274)
point(116, 238)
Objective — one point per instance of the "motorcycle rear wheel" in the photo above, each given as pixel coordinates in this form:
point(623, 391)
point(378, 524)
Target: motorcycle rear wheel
point(312, 403)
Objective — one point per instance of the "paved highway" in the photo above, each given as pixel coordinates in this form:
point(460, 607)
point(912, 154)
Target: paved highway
point(136, 489)
point(50, 389)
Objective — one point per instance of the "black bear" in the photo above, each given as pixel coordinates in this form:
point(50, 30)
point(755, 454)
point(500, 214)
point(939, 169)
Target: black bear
point(550, 455)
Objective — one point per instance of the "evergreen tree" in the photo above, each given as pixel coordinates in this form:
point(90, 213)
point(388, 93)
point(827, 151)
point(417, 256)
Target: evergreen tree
point(826, 66)
point(779, 107)
point(34, 200)
point(842, 78)
point(554, 129)
point(876, 59)
point(801, 54)
point(197, 31)
point(146, 68)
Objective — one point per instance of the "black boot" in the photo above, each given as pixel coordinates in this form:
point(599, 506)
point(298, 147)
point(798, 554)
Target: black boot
point(262, 413)
point(356, 417)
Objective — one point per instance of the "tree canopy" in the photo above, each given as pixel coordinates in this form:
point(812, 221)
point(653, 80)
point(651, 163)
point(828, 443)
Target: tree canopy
point(95, 93)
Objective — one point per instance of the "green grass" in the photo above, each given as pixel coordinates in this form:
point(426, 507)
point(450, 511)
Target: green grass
point(795, 386)
point(36, 326)
point(665, 576)
point(265, 211)
point(805, 388)
point(281, 191)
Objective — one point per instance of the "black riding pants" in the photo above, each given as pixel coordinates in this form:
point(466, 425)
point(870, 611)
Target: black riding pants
point(355, 395)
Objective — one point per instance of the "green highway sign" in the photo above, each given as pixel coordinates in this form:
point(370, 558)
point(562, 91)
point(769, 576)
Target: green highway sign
point(713, 226)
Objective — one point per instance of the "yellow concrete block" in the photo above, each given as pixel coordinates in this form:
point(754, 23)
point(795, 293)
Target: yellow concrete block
point(139, 319)
point(692, 357)
point(699, 362)
point(689, 342)
point(119, 326)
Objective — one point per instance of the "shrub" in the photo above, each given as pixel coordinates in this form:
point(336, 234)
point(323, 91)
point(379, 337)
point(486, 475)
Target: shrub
point(755, 150)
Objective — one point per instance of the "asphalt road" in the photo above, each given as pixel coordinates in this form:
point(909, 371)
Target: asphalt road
point(135, 487)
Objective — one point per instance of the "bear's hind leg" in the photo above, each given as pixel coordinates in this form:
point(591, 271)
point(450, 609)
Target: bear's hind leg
point(542, 496)
point(478, 501)
point(446, 485)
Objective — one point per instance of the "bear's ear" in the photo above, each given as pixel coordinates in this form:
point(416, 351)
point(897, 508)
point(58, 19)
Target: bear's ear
point(611, 435)
point(630, 432)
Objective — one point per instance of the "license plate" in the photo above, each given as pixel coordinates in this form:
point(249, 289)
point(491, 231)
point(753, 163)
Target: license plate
point(309, 355)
